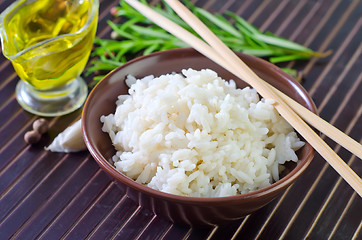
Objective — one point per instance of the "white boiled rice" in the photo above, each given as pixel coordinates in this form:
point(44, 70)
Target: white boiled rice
point(195, 134)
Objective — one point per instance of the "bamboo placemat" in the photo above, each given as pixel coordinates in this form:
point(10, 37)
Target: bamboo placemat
point(51, 195)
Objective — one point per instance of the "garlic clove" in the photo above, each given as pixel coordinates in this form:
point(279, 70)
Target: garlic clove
point(70, 140)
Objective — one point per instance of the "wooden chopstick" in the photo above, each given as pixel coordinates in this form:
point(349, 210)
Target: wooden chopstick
point(231, 62)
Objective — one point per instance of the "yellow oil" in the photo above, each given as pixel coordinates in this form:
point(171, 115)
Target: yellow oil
point(47, 42)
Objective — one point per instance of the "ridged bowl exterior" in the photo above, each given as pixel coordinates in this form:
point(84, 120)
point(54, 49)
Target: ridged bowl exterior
point(180, 209)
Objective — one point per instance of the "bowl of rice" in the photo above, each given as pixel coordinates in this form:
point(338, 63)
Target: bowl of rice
point(188, 140)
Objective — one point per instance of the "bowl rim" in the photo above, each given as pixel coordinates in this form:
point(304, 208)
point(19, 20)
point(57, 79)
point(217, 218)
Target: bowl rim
point(282, 183)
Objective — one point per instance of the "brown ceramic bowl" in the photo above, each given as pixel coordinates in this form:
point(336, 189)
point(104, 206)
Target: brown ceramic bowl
point(181, 209)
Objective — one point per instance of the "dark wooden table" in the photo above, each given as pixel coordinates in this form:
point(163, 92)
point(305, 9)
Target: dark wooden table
point(52, 195)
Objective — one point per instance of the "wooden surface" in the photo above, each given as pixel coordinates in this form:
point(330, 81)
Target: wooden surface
point(52, 195)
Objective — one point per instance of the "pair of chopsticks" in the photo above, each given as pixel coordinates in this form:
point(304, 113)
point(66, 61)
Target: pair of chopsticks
point(216, 50)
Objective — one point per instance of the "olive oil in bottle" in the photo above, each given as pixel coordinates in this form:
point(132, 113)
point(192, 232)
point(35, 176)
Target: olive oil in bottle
point(49, 41)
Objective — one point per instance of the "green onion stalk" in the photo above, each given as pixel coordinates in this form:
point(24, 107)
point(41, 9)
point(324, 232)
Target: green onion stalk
point(136, 35)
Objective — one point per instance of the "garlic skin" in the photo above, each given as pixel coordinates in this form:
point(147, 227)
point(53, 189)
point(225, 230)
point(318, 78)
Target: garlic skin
point(70, 140)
